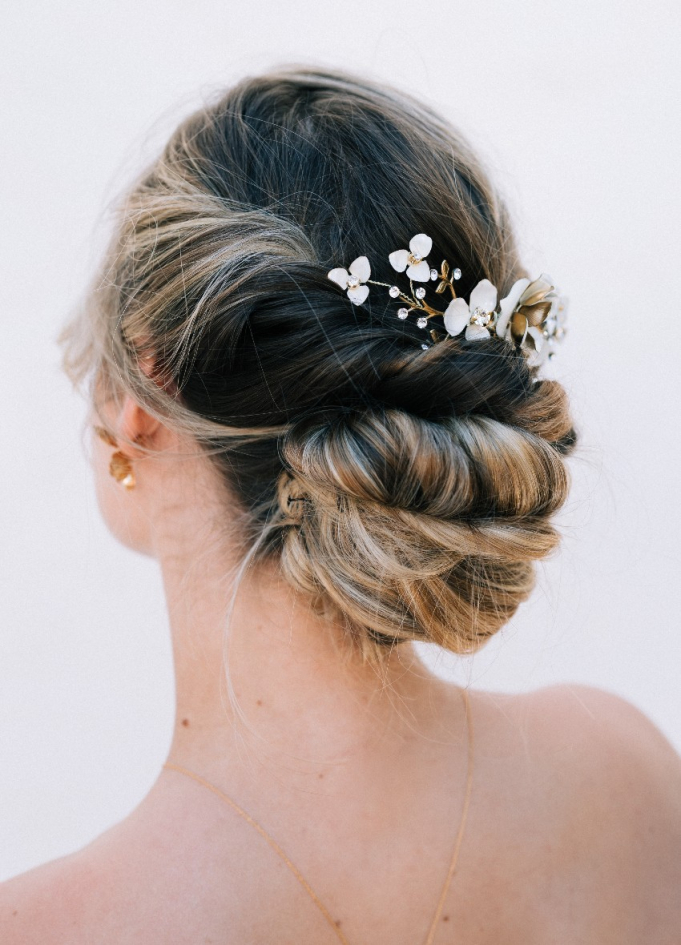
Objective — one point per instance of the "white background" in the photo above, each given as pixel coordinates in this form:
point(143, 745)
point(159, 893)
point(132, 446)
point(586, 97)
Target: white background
point(575, 108)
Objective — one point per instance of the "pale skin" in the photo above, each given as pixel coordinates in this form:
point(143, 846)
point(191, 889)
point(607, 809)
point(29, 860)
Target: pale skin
point(574, 832)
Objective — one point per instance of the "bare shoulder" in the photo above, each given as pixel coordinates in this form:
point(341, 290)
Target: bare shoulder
point(603, 745)
point(77, 899)
point(39, 906)
point(147, 878)
point(604, 767)
point(602, 732)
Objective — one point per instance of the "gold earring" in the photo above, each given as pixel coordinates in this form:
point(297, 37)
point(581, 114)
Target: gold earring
point(120, 466)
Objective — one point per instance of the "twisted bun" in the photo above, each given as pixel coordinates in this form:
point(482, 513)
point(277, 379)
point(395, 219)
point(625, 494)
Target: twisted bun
point(408, 492)
point(418, 529)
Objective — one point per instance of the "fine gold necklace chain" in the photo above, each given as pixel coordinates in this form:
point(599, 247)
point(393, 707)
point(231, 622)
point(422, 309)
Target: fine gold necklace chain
point(299, 876)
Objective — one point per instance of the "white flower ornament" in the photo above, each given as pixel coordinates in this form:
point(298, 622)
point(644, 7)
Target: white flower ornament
point(353, 281)
point(554, 331)
point(508, 305)
point(414, 258)
point(475, 316)
point(531, 316)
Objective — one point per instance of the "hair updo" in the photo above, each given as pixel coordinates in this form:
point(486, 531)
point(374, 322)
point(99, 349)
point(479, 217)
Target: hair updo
point(407, 492)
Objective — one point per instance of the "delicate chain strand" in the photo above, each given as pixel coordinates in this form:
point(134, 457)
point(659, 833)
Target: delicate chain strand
point(299, 876)
point(464, 817)
point(272, 842)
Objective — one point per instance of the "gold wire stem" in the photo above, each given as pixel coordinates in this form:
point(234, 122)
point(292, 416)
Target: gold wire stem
point(413, 303)
point(425, 307)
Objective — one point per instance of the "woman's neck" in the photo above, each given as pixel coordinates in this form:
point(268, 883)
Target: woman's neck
point(273, 681)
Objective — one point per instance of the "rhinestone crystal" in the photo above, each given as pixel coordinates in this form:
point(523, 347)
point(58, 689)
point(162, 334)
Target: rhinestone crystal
point(456, 274)
point(425, 347)
point(422, 322)
point(420, 293)
point(402, 313)
point(480, 317)
point(433, 274)
point(393, 291)
point(353, 282)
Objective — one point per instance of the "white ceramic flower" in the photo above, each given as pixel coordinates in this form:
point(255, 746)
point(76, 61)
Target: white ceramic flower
point(553, 332)
point(353, 281)
point(524, 309)
point(508, 305)
point(474, 315)
point(554, 325)
point(414, 258)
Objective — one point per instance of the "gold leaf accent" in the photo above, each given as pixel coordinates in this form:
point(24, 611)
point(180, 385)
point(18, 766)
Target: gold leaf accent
point(519, 326)
point(539, 295)
point(531, 342)
point(444, 269)
point(536, 313)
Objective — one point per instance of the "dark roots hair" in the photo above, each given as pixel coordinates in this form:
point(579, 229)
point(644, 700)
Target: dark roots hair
point(407, 492)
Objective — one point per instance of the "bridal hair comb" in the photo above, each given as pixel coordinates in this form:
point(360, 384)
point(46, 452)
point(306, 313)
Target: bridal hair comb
point(531, 316)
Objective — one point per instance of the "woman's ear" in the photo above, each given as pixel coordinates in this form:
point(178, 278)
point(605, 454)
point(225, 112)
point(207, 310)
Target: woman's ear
point(131, 423)
point(136, 425)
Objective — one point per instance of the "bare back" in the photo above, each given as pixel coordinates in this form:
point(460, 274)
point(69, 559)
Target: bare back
point(574, 835)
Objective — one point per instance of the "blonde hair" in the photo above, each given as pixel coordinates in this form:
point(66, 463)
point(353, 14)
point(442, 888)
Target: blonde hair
point(408, 493)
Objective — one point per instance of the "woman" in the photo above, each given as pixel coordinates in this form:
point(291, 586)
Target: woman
point(336, 444)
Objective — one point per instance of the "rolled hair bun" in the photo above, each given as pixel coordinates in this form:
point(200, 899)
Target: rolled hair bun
point(407, 492)
point(419, 529)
